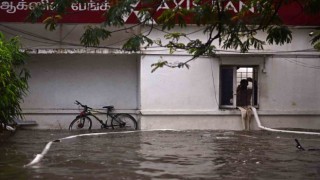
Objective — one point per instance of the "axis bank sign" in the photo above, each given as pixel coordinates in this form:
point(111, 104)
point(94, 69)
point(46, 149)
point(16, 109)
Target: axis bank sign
point(93, 10)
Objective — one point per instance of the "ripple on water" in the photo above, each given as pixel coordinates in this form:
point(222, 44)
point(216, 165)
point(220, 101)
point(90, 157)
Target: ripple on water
point(162, 155)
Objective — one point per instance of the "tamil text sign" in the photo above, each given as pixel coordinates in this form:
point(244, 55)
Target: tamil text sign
point(93, 11)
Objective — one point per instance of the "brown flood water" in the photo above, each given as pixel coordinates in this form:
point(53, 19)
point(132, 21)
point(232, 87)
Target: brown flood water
point(161, 155)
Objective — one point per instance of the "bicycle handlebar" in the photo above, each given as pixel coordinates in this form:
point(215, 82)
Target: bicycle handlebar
point(84, 106)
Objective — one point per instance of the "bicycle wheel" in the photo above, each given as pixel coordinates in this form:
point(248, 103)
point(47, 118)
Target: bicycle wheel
point(124, 121)
point(80, 123)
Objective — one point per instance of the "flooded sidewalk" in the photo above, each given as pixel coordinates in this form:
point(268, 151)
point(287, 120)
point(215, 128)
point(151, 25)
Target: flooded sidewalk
point(161, 155)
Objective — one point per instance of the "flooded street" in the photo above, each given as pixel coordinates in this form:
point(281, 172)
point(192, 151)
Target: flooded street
point(161, 155)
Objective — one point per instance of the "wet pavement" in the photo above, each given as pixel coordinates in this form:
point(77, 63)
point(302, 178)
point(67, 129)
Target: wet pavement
point(161, 155)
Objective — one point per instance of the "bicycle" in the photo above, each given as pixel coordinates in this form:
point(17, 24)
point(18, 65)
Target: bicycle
point(118, 120)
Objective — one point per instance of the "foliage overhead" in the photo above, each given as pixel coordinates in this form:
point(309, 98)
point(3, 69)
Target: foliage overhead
point(231, 30)
point(13, 78)
point(316, 39)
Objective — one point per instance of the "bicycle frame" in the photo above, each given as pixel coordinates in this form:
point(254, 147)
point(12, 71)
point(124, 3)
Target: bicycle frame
point(86, 112)
point(118, 120)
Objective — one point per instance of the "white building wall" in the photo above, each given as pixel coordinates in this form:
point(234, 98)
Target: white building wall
point(168, 98)
point(291, 84)
point(66, 36)
point(96, 80)
point(189, 99)
point(182, 89)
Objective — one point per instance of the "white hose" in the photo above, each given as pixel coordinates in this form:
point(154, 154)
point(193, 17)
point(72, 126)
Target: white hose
point(256, 117)
point(39, 157)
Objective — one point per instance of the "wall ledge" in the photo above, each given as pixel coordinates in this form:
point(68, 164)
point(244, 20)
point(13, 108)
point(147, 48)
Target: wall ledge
point(168, 112)
point(53, 111)
point(232, 112)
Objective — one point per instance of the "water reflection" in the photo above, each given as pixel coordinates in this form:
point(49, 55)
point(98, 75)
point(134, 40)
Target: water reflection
point(161, 155)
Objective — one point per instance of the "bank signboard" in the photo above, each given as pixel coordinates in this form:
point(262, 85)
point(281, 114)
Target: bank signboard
point(93, 11)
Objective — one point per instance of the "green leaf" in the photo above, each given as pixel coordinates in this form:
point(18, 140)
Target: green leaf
point(35, 14)
point(317, 46)
point(13, 78)
point(315, 37)
point(92, 36)
point(61, 6)
point(117, 12)
point(279, 35)
point(159, 64)
point(134, 43)
point(167, 19)
point(51, 22)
